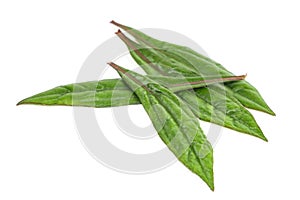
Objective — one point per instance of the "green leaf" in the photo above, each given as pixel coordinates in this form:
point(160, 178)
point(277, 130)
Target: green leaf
point(236, 117)
point(175, 123)
point(99, 94)
point(215, 104)
point(113, 92)
point(243, 91)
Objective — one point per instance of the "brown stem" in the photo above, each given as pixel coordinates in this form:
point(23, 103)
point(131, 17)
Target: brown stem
point(117, 67)
point(216, 80)
point(126, 28)
point(132, 46)
point(123, 71)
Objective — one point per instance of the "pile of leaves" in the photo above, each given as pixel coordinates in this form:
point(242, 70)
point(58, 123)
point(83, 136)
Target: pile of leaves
point(181, 86)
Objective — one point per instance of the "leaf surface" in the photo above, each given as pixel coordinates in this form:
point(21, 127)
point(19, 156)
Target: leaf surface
point(175, 123)
point(247, 94)
point(203, 105)
point(113, 92)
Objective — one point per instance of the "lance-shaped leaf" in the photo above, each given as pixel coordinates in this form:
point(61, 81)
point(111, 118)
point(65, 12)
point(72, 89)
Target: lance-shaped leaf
point(175, 123)
point(217, 106)
point(247, 94)
point(99, 94)
point(150, 41)
point(113, 92)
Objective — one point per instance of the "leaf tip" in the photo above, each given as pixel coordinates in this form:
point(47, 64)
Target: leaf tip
point(211, 186)
point(271, 112)
point(266, 140)
point(22, 102)
point(263, 138)
point(268, 110)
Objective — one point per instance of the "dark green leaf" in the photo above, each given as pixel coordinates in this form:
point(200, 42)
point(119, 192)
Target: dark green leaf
point(243, 91)
point(205, 107)
point(113, 92)
point(175, 123)
point(99, 94)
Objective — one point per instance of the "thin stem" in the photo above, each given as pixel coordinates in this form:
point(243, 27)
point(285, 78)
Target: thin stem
point(132, 46)
point(126, 28)
point(216, 80)
point(123, 71)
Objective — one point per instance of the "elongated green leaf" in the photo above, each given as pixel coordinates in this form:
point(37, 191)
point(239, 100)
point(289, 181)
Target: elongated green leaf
point(175, 123)
point(99, 94)
point(228, 113)
point(218, 107)
point(243, 91)
point(113, 92)
point(152, 42)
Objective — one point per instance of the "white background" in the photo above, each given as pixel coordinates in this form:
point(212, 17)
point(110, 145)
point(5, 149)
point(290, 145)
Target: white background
point(43, 45)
